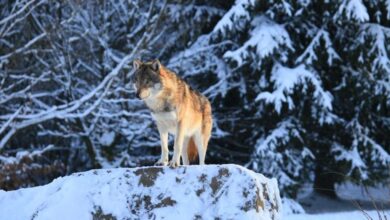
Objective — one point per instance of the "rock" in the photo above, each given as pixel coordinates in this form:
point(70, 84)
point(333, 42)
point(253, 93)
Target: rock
point(187, 192)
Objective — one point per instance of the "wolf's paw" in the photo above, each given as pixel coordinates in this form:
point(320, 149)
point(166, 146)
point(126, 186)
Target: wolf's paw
point(161, 163)
point(173, 163)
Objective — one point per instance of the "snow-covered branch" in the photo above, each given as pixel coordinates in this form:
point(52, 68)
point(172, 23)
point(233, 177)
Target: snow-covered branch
point(285, 81)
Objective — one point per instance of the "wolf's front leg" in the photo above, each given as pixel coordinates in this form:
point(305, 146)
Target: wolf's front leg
point(179, 139)
point(163, 161)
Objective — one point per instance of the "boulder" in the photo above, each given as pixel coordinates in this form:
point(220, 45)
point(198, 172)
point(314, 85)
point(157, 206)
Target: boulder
point(186, 192)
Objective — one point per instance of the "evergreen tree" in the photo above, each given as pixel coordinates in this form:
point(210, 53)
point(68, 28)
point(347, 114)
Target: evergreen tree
point(304, 84)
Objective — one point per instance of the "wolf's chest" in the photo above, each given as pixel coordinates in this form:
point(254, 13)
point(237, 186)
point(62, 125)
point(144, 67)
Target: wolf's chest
point(159, 106)
point(166, 120)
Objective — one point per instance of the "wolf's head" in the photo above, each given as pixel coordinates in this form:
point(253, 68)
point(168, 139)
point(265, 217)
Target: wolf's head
point(146, 79)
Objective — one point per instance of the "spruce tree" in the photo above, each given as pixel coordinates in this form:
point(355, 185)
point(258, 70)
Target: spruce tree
point(304, 86)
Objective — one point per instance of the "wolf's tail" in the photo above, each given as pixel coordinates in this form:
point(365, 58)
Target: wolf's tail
point(192, 151)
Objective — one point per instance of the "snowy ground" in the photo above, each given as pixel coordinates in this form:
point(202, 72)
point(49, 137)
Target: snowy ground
point(319, 207)
point(316, 203)
point(352, 215)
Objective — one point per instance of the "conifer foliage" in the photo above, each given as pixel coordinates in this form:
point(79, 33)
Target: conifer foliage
point(306, 86)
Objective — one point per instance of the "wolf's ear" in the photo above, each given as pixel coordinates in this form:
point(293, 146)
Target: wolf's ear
point(156, 65)
point(137, 63)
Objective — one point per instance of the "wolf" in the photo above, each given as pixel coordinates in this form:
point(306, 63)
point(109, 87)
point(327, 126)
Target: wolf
point(177, 109)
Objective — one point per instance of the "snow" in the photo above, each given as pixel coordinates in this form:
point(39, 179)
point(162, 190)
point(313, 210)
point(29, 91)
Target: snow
point(24, 154)
point(290, 207)
point(379, 34)
point(354, 9)
point(388, 8)
point(66, 110)
point(318, 206)
point(79, 75)
point(107, 138)
point(354, 215)
point(309, 55)
point(342, 154)
point(225, 191)
point(231, 19)
point(268, 157)
point(266, 37)
point(350, 191)
point(285, 79)
point(377, 153)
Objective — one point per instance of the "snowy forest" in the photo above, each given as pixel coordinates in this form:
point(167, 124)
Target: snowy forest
point(300, 89)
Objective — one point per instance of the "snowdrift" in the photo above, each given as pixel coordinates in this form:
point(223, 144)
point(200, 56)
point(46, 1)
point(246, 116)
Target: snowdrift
point(187, 192)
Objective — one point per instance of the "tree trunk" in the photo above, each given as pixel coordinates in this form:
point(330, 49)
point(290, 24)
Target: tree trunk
point(324, 182)
point(90, 147)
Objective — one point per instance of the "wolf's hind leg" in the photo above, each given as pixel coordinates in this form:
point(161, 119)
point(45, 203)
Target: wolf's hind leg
point(206, 139)
point(198, 138)
point(205, 135)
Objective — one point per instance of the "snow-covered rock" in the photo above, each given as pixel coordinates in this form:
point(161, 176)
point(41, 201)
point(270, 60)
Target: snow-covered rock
point(187, 192)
